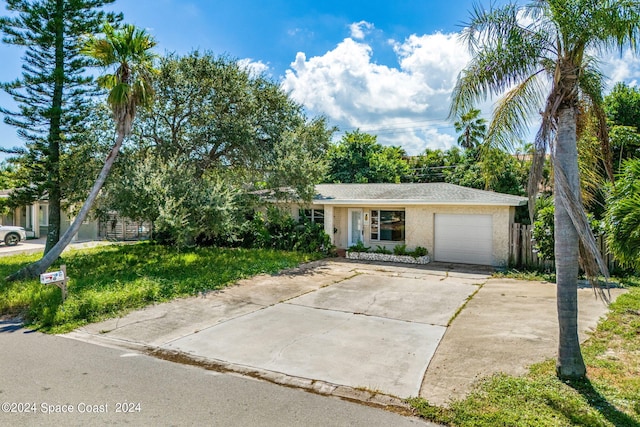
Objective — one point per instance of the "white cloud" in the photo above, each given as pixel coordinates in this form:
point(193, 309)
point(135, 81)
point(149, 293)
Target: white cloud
point(405, 105)
point(623, 67)
point(255, 68)
point(360, 29)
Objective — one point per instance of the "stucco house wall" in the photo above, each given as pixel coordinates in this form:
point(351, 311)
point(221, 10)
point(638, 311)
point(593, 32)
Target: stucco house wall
point(421, 204)
point(420, 226)
point(420, 223)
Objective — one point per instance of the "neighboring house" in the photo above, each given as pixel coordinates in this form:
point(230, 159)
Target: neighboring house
point(35, 220)
point(456, 224)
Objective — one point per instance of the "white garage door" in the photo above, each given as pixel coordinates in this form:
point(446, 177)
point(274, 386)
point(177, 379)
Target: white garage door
point(463, 238)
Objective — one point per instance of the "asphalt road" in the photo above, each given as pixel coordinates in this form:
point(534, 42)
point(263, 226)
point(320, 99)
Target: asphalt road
point(50, 380)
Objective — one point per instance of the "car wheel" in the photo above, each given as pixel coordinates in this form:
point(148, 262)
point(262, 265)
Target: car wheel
point(11, 239)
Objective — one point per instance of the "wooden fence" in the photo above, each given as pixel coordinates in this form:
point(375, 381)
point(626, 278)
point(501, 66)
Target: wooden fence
point(118, 228)
point(523, 254)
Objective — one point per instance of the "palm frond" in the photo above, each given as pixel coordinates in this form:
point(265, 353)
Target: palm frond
point(504, 55)
point(107, 81)
point(589, 165)
point(592, 87)
point(129, 49)
point(592, 260)
point(513, 112)
point(618, 23)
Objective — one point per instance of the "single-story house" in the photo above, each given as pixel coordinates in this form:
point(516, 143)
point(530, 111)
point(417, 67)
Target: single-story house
point(456, 224)
point(35, 220)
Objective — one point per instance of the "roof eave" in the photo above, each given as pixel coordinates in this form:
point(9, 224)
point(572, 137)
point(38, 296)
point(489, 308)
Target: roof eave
point(400, 202)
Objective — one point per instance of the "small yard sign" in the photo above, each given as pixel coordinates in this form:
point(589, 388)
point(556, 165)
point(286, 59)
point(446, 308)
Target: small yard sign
point(58, 278)
point(53, 276)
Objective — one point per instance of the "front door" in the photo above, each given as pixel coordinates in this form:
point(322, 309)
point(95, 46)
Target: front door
point(356, 229)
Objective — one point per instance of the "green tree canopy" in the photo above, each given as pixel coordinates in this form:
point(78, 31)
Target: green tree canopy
point(215, 133)
point(212, 112)
point(494, 170)
point(623, 215)
point(622, 106)
point(358, 157)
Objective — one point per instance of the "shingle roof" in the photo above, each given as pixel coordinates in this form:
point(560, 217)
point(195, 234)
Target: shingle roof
point(411, 193)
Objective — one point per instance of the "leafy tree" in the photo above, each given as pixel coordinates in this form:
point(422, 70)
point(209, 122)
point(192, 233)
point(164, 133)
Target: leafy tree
point(542, 233)
point(358, 157)
point(623, 215)
point(493, 170)
point(52, 93)
point(7, 176)
point(622, 106)
point(625, 144)
point(543, 63)
point(472, 129)
point(214, 113)
point(298, 159)
point(465, 168)
point(183, 207)
point(7, 181)
point(129, 88)
point(215, 128)
point(427, 167)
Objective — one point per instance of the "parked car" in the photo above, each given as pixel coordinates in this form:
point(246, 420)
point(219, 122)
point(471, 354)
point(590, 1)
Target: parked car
point(11, 236)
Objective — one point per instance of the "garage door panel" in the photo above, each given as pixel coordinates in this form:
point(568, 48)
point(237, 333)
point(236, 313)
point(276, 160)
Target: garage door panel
point(464, 238)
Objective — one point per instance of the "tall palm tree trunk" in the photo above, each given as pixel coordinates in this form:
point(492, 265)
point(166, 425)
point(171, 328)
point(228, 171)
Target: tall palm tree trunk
point(40, 266)
point(569, 363)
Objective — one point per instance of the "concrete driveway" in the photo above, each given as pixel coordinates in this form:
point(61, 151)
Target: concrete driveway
point(357, 330)
point(336, 323)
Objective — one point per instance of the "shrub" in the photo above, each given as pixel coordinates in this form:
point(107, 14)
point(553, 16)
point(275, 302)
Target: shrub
point(311, 237)
point(382, 250)
point(543, 229)
point(400, 250)
point(278, 230)
point(419, 251)
point(623, 216)
point(359, 247)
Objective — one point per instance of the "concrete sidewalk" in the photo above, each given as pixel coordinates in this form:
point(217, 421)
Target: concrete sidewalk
point(362, 331)
point(32, 246)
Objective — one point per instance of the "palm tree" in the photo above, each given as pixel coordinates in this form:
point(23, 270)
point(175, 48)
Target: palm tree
point(129, 49)
point(472, 129)
point(537, 58)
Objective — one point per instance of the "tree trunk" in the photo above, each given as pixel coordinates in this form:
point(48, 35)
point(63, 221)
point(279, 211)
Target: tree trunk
point(570, 364)
point(40, 266)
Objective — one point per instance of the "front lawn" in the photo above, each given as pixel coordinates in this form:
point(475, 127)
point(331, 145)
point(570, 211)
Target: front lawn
point(111, 280)
point(610, 396)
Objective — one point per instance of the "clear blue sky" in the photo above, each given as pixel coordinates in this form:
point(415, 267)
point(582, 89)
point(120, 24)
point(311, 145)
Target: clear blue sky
point(386, 67)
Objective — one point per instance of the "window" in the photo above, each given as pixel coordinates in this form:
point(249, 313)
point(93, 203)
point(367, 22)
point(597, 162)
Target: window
point(313, 215)
point(387, 225)
point(43, 215)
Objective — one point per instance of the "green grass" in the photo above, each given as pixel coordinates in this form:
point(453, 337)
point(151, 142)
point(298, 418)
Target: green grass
point(538, 276)
point(111, 280)
point(610, 396)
